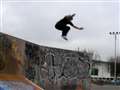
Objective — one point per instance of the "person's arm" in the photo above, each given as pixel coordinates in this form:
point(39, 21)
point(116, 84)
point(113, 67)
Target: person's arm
point(79, 28)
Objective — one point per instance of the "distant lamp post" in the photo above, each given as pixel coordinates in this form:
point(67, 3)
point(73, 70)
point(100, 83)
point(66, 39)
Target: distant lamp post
point(115, 63)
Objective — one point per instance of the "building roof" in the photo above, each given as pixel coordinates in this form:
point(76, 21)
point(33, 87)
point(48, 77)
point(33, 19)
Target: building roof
point(100, 61)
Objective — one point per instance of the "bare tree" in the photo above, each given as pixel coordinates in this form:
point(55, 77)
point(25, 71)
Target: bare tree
point(112, 63)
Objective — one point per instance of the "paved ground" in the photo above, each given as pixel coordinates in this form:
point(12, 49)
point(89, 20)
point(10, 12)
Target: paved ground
point(105, 87)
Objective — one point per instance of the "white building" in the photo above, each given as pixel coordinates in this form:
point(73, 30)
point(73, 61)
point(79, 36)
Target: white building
point(100, 70)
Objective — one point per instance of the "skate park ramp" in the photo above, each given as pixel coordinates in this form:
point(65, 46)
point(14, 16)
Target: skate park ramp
point(28, 66)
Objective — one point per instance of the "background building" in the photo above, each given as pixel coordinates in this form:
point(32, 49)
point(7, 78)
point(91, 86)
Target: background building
point(102, 70)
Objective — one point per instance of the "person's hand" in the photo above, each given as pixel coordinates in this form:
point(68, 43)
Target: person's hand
point(81, 28)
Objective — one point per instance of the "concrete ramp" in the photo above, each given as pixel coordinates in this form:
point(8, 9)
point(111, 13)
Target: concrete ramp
point(16, 82)
point(46, 67)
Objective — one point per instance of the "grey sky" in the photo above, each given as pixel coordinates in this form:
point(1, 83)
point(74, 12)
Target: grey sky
point(34, 20)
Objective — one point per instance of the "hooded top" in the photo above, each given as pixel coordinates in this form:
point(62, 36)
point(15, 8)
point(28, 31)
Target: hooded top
point(66, 20)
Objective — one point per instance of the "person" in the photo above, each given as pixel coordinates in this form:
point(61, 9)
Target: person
point(62, 25)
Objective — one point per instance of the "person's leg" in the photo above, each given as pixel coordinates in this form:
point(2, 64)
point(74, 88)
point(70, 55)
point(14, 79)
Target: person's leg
point(65, 31)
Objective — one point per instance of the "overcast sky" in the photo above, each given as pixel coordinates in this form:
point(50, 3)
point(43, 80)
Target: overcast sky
point(34, 20)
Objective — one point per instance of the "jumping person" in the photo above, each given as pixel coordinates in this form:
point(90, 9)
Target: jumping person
point(62, 25)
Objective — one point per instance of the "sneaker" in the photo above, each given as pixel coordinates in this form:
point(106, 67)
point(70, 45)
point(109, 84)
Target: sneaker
point(64, 37)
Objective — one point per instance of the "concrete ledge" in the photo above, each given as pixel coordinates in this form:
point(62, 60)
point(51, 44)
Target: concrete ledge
point(18, 78)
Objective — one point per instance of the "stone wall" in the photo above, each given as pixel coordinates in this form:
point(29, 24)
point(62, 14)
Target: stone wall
point(50, 68)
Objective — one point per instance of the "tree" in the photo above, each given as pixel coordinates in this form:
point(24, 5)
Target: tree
point(112, 67)
point(92, 54)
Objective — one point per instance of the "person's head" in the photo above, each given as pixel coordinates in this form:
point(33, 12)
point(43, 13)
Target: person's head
point(73, 14)
point(70, 17)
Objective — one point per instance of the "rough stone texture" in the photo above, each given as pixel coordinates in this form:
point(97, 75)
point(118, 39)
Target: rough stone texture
point(51, 68)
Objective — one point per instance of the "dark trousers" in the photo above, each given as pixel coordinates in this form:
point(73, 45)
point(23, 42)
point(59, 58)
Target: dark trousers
point(64, 29)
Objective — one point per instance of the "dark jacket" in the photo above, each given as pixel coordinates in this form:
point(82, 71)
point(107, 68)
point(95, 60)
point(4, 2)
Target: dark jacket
point(63, 23)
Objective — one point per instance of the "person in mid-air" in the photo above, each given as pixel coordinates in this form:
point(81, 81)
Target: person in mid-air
point(62, 25)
